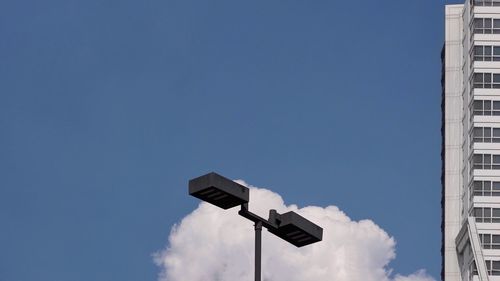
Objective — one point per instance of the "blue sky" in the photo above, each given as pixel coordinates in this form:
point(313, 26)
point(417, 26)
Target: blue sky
point(108, 108)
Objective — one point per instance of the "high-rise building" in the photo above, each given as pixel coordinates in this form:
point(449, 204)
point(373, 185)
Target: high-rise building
point(471, 142)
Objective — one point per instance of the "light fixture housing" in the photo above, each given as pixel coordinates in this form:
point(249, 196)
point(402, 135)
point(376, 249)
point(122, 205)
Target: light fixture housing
point(219, 191)
point(297, 230)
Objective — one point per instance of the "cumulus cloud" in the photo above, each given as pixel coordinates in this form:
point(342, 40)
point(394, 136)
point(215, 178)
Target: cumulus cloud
point(212, 244)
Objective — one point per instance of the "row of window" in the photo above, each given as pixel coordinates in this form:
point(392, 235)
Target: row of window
point(490, 241)
point(485, 188)
point(493, 267)
point(486, 53)
point(487, 214)
point(486, 162)
point(486, 80)
point(485, 134)
point(486, 107)
point(486, 26)
point(486, 2)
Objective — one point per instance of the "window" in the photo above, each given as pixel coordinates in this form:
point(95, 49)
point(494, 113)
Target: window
point(485, 162)
point(486, 26)
point(486, 80)
point(490, 241)
point(486, 107)
point(487, 2)
point(493, 267)
point(485, 134)
point(487, 215)
point(486, 53)
point(485, 188)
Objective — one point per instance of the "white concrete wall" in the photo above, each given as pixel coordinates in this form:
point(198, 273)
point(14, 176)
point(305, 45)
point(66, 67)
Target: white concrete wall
point(453, 159)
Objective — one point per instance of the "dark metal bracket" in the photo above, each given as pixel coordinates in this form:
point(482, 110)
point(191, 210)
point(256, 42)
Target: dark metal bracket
point(272, 223)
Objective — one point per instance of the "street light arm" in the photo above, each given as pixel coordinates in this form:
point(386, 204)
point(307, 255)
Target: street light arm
point(272, 223)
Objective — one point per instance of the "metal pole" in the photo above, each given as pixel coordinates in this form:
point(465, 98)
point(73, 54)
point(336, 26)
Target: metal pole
point(258, 249)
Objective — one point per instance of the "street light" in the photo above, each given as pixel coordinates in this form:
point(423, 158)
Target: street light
point(225, 193)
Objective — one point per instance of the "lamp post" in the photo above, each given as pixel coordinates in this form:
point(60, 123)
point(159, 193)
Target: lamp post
point(225, 193)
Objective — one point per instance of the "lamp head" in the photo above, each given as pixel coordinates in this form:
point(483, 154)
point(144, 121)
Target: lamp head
point(297, 230)
point(219, 191)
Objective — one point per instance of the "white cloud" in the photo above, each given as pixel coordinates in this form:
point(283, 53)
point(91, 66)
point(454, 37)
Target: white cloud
point(417, 276)
point(212, 244)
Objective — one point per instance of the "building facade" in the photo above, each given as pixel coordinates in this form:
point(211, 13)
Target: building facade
point(471, 142)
